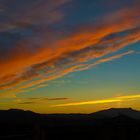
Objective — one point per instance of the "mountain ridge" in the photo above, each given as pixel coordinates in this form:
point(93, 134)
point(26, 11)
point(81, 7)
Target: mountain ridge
point(108, 113)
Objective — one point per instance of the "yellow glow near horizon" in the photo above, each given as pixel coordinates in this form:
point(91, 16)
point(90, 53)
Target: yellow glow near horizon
point(129, 96)
point(111, 100)
point(89, 102)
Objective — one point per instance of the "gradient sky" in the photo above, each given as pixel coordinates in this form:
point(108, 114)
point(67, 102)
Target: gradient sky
point(69, 56)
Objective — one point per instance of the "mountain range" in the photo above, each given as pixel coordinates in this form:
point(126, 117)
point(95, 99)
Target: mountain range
point(22, 115)
point(114, 123)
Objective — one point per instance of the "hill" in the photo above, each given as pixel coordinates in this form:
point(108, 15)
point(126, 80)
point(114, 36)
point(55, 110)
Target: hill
point(114, 123)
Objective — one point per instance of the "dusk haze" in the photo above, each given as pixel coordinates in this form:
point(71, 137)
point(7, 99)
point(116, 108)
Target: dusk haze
point(60, 52)
point(70, 56)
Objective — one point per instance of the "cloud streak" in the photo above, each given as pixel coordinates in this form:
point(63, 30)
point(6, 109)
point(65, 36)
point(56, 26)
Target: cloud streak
point(88, 66)
point(40, 100)
point(7, 95)
point(104, 101)
point(41, 54)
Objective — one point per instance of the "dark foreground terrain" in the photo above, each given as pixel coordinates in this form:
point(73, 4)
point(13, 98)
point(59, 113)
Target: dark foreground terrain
point(111, 124)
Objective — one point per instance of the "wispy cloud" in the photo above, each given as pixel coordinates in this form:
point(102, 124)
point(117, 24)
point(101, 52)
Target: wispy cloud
point(33, 12)
point(40, 100)
point(129, 97)
point(49, 99)
point(40, 54)
point(68, 70)
point(26, 102)
point(7, 95)
point(56, 99)
point(88, 102)
point(103, 101)
point(88, 66)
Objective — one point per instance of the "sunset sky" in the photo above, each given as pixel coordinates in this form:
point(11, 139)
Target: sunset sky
point(69, 56)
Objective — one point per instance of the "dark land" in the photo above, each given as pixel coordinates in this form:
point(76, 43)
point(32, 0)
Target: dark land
point(111, 124)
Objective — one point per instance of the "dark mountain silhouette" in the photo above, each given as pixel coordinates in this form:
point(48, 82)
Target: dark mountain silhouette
point(17, 115)
point(114, 123)
point(114, 112)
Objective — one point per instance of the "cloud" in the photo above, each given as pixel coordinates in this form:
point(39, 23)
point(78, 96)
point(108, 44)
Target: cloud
point(31, 12)
point(26, 103)
point(88, 102)
point(129, 96)
point(55, 99)
point(111, 100)
point(40, 100)
point(7, 95)
point(49, 99)
point(42, 54)
point(65, 71)
point(88, 66)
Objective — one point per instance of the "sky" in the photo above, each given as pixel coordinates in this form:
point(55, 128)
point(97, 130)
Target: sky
point(69, 56)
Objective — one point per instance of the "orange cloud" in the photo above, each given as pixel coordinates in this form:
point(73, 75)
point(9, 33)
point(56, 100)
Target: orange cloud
point(88, 66)
point(7, 95)
point(79, 67)
point(63, 55)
